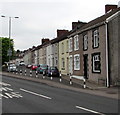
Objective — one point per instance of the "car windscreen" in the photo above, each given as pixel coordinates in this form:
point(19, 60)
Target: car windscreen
point(43, 66)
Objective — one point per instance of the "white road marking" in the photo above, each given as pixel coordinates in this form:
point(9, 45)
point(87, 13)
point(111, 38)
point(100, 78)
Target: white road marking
point(35, 93)
point(92, 111)
point(4, 84)
point(8, 88)
point(1, 95)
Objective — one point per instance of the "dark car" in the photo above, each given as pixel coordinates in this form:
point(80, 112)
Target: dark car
point(52, 71)
point(41, 68)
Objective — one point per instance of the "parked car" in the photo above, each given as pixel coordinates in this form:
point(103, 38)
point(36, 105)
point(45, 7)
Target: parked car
point(28, 66)
point(34, 67)
point(22, 63)
point(41, 68)
point(52, 71)
point(12, 68)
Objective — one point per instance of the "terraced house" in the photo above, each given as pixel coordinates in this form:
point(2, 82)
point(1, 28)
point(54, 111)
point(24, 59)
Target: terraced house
point(52, 53)
point(91, 49)
point(63, 56)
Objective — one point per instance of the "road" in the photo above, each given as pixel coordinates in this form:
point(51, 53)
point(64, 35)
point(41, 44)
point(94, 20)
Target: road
point(22, 96)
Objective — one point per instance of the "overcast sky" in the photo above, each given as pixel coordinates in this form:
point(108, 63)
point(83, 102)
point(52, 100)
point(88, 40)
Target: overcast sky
point(41, 18)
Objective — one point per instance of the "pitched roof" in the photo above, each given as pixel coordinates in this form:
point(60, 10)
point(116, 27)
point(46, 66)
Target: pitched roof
point(101, 18)
point(97, 21)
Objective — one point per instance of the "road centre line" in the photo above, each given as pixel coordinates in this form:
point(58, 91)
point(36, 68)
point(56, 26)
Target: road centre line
point(35, 93)
point(92, 111)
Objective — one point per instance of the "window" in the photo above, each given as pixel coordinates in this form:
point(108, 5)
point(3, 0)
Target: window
point(70, 44)
point(67, 46)
point(63, 64)
point(76, 43)
point(96, 65)
point(85, 42)
point(52, 61)
point(62, 48)
point(56, 61)
point(95, 38)
point(77, 62)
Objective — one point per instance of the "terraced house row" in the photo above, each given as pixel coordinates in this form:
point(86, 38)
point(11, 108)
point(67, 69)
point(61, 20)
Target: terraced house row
point(89, 49)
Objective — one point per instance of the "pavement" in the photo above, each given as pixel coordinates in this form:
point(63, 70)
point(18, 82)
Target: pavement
point(77, 85)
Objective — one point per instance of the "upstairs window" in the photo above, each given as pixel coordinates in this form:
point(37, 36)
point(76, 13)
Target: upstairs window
point(67, 46)
point(63, 64)
point(95, 38)
point(76, 42)
point(70, 45)
point(85, 42)
point(62, 48)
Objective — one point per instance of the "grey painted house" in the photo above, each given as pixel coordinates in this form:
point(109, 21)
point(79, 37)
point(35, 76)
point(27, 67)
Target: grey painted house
point(96, 56)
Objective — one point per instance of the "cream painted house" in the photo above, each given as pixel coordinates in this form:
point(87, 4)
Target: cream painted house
point(64, 56)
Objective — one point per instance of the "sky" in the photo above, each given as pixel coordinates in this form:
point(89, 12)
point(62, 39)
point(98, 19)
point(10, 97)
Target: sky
point(41, 18)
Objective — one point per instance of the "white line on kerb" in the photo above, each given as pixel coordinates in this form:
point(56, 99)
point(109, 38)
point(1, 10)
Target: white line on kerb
point(35, 93)
point(89, 110)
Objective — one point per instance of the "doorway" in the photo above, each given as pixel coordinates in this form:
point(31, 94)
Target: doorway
point(85, 57)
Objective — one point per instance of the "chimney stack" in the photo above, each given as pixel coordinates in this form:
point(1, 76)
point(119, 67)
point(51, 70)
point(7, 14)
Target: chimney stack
point(45, 40)
point(61, 32)
point(110, 7)
point(78, 24)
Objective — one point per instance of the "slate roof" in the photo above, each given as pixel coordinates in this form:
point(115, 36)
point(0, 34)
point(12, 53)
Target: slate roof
point(100, 19)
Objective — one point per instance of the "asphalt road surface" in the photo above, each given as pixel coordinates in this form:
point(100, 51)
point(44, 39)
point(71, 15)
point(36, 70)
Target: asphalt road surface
point(22, 96)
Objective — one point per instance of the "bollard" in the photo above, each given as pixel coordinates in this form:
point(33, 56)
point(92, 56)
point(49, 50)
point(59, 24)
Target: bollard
point(60, 77)
point(51, 76)
point(43, 74)
point(25, 72)
point(20, 72)
point(60, 80)
point(36, 74)
point(84, 83)
point(16, 72)
point(70, 79)
point(30, 73)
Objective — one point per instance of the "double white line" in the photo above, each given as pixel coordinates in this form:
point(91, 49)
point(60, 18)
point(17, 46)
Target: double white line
point(46, 97)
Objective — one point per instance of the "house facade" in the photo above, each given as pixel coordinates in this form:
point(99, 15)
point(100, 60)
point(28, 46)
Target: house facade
point(52, 53)
point(75, 55)
point(49, 55)
point(27, 58)
point(90, 49)
point(113, 28)
point(64, 56)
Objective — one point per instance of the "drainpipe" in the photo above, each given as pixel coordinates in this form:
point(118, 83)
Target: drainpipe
point(107, 63)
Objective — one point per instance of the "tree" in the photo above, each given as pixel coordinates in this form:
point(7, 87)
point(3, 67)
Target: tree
point(6, 49)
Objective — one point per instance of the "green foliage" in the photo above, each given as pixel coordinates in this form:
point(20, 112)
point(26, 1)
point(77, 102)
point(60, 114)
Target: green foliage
point(6, 44)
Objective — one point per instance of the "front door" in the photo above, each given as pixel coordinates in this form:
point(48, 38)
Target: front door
point(86, 65)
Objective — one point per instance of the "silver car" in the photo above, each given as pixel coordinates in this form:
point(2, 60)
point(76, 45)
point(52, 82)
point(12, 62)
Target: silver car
point(12, 68)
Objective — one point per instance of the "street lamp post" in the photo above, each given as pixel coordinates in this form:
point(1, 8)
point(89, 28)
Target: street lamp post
point(9, 24)
point(9, 50)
